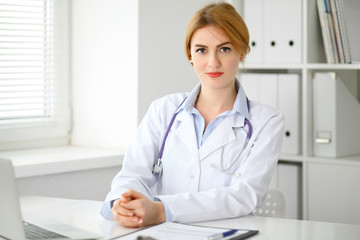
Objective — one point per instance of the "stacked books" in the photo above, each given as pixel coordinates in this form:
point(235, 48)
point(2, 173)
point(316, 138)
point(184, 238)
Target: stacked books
point(339, 20)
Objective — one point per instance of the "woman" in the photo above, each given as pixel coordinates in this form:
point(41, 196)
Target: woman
point(220, 149)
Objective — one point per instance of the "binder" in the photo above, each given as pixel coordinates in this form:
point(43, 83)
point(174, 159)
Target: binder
point(253, 17)
point(336, 116)
point(261, 88)
point(250, 83)
point(268, 89)
point(282, 31)
point(289, 104)
point(280, 91)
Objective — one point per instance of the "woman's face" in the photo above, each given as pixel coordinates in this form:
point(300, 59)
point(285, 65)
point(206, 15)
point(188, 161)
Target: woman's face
point(214, 58)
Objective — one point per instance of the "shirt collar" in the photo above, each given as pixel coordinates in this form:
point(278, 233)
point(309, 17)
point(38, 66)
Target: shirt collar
point(240, 105)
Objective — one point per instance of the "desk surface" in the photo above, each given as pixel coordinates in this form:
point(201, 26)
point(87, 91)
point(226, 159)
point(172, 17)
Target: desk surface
point(84, 214)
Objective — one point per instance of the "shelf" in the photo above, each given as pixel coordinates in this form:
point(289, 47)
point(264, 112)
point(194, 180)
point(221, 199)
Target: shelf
point(310, 66)
point(263, 66)
point(291, 158)
point(333, 66)
point(347, 160)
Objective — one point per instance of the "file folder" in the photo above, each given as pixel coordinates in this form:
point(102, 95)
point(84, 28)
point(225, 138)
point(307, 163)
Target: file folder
point(282, 31)
point(289, 104)
point(254, 19)
point(336, 116)
point(280, 91)
point(261, 88)
point(268, 90)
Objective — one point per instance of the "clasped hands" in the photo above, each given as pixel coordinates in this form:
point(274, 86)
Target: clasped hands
point(133, 209)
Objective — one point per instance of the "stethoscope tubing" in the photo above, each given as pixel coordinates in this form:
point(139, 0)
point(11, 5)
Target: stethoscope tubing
point(157, 167)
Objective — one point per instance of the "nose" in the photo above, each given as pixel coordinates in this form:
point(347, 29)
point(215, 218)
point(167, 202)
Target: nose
point(214, 60)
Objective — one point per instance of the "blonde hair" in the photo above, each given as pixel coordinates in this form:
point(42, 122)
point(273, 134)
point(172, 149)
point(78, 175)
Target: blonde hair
point(224, 16)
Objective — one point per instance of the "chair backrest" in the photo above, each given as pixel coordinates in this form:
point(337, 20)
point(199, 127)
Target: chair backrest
point(273, 205)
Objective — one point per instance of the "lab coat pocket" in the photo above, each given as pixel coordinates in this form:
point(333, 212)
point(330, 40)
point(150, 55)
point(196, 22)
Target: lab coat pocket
point(227, 159)
point(233, 152)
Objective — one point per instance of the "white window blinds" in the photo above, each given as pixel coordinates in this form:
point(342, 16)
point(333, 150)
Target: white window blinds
point(33, 67)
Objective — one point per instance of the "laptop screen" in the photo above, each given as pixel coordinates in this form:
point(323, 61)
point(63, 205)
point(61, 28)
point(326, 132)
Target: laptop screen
point(11, 224)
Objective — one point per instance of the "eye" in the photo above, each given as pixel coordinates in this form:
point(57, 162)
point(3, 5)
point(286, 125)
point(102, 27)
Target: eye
point(225, 49)
point(201, 50)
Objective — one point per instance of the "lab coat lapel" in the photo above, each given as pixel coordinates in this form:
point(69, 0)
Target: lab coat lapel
point(222, 135)
point(185, 130)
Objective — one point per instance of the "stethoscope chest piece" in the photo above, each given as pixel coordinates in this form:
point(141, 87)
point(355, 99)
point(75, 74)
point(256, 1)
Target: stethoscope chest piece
point(157, 167)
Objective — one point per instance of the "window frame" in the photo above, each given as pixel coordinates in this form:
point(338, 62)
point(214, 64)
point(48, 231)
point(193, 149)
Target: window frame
point(55, 131)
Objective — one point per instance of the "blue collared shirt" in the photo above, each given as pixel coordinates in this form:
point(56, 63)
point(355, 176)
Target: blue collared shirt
point(240, 107)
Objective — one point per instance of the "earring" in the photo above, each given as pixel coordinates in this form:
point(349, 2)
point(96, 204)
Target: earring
point(191, 61)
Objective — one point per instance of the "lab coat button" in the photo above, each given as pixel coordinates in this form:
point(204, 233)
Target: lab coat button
point(192, 176)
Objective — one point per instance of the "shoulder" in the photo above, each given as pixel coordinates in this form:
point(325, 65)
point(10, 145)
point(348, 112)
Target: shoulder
point(170, 102)
point(262, 113)
point(164, 108)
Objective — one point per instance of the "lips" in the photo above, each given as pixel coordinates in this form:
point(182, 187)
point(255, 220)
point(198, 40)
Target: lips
point(214, 74)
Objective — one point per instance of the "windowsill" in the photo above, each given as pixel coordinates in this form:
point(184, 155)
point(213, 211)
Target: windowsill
point(45, 161)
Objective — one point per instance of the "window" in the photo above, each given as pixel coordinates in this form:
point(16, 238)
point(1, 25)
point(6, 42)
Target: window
point(34, 73)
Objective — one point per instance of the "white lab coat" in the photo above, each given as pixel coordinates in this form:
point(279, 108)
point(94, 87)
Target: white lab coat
point(190, 186)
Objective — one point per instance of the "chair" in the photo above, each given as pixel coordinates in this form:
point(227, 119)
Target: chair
point(273, 205)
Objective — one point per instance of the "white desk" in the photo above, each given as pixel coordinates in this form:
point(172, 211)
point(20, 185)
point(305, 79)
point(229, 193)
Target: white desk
point(85, 214)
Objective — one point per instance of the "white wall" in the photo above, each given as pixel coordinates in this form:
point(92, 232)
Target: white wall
point(163, 66)
point(125, 54)
point(104, 66)
point(89, 184)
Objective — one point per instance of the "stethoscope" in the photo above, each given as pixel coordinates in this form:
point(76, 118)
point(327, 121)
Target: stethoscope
point(157, 167)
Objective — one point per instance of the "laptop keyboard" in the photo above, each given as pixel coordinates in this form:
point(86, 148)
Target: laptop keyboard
point(35, 232)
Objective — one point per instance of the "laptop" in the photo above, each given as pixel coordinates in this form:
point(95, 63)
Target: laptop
point(12, 225)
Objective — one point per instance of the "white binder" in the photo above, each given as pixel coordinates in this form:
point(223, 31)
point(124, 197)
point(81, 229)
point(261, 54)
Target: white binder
point(268, 89)
point(254, 19)
point(282, 31)
point(250, 83)
point(336, 117)
point(289, 105)
point(261, 88)
point(280, 91)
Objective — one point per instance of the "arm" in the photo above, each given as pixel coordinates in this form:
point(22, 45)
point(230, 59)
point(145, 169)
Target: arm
point(142, 153)
point(136, 170)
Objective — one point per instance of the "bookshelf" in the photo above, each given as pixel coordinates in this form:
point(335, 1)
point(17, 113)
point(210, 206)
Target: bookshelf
point(326, 184)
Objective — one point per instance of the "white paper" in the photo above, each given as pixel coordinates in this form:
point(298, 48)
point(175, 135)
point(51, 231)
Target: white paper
point(178, 231)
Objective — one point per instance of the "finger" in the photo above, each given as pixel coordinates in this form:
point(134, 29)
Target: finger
point(119, 209)
point(125, 199)
point(133, 205)
point(129, 221)
point(130, 193)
